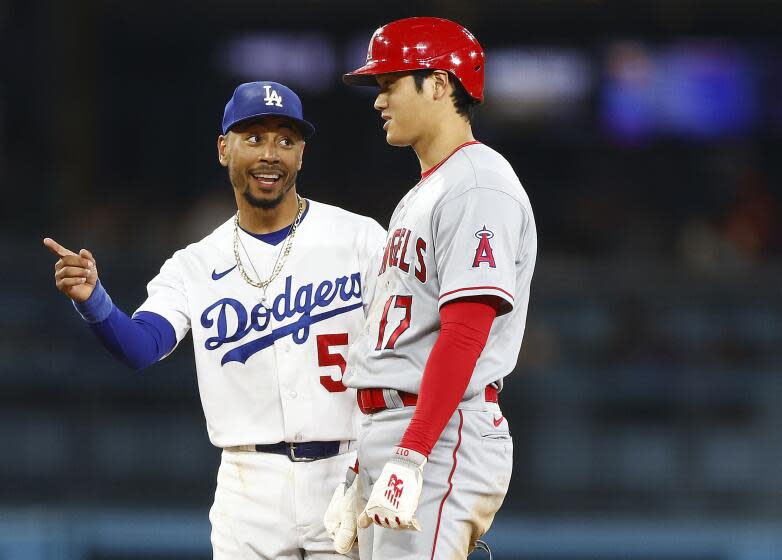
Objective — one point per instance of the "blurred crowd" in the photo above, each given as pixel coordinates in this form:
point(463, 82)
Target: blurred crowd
point(648, 380)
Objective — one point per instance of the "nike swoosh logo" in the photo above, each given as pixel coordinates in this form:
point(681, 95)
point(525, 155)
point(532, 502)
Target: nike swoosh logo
point(498, 421)
point(217, 275)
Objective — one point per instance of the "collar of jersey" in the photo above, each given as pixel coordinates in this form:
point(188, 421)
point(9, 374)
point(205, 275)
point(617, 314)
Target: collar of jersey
point(431, 170)
point(276, 237)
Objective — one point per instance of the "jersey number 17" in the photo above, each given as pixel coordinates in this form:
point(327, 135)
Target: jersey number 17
point(400, 302)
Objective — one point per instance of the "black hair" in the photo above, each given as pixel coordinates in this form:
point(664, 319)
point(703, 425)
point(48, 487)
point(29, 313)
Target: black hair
point(462, 101)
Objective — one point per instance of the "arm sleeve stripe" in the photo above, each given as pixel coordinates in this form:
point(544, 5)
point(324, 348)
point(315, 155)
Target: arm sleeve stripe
point(477, 288)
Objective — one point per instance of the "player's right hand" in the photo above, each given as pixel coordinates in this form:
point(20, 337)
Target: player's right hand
point(394, 497)
point(340, 517)
point(74, 275)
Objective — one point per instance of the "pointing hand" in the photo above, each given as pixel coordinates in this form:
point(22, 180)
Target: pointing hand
point(75, 275)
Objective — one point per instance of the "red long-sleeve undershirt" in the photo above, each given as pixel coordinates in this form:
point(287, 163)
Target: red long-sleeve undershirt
point(464, 329)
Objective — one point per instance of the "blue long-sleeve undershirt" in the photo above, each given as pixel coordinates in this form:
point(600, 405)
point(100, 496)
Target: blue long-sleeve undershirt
point(137, 342)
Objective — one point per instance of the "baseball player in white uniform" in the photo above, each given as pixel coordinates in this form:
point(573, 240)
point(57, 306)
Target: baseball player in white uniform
point(446, 321)
point(273, 297)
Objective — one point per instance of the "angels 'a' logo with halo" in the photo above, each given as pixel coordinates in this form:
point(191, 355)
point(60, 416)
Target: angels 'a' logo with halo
point(484, 253)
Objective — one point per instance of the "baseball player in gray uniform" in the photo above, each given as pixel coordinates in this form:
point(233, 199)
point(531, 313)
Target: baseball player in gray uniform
point(273, 297)
point(446, 321)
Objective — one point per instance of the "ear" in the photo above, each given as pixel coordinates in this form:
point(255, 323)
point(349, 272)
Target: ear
point(222, 150)
point(301, 154)
point(440, 79)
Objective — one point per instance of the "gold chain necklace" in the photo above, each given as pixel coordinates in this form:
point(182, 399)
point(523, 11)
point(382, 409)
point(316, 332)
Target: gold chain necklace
point(282, 255)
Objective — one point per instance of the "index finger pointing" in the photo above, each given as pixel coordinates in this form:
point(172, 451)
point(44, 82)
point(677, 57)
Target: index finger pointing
point(55, 248)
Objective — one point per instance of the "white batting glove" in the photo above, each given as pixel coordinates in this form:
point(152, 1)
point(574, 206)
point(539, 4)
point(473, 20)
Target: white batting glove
point(395, 495)
point(340, 516)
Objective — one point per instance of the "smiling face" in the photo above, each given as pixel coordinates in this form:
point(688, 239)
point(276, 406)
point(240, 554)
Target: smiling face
point(263, 158)
point(403, 108)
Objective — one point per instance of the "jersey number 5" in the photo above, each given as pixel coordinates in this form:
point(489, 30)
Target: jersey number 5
point(402, 302)
point(326, 358)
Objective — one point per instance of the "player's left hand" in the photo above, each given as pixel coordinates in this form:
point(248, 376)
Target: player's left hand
point(395, 495)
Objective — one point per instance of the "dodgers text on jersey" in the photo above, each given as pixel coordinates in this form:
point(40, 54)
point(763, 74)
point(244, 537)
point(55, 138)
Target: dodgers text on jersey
point(299, 307)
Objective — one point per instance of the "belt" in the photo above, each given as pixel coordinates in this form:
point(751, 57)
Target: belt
point(297, 452)
point(374, 400)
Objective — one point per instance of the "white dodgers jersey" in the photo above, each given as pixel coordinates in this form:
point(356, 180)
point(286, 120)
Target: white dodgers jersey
point(273, 373)
point(466, 229)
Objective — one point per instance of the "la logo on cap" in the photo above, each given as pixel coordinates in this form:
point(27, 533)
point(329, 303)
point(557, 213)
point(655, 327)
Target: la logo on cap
point(272, 97)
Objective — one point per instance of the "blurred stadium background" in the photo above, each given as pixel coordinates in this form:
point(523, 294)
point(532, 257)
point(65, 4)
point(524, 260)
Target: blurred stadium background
point(647, 403)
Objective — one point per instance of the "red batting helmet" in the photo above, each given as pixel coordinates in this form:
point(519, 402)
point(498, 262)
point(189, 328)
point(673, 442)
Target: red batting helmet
point(423, 43)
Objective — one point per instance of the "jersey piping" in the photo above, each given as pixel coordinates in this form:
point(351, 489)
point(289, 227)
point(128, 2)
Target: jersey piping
point(477, 288)
point(431, 170)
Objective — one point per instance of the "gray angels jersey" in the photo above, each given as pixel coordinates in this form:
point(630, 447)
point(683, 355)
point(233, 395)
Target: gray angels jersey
point(466, 229)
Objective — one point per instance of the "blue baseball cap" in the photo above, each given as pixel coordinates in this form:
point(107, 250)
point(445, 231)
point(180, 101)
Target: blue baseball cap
point(264, 99)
